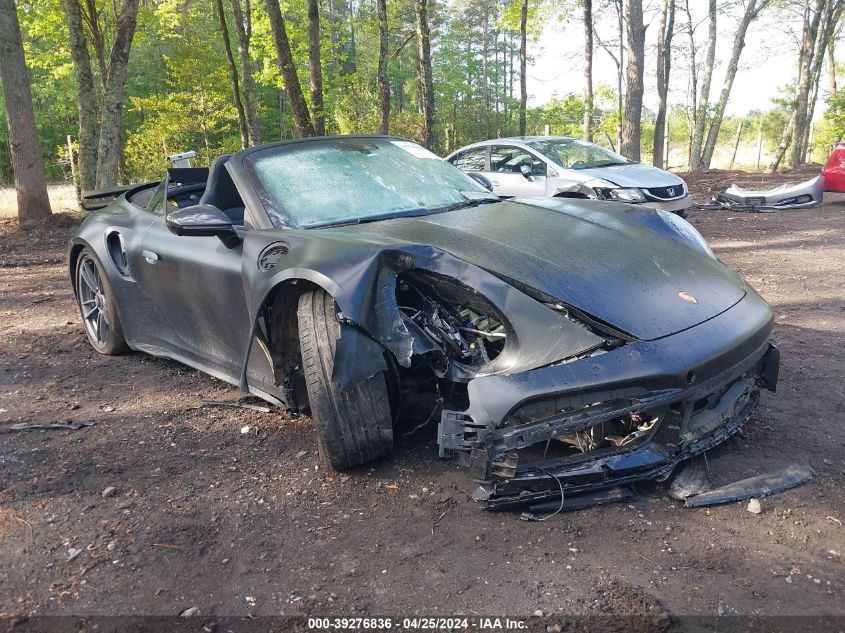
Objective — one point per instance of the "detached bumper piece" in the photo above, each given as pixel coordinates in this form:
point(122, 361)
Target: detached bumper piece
point(800, 196)
point(759, 486)
point(608, 440)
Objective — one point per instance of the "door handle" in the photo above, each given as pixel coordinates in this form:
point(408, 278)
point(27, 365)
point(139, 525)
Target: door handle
point(150, 256)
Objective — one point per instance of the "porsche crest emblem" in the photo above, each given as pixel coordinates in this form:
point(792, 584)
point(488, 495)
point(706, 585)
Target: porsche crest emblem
point(683, 294)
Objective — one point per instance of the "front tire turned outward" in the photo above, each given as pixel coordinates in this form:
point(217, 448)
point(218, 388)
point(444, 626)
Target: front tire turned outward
point(353, 427)
point(97, 306)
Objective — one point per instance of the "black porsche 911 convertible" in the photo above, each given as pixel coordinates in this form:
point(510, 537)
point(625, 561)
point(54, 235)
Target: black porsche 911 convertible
point(565, 345)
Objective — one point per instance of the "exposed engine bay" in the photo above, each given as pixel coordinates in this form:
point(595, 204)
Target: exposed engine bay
point(469, 332)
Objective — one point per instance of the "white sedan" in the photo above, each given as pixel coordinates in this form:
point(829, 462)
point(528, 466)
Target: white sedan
point(560, 166)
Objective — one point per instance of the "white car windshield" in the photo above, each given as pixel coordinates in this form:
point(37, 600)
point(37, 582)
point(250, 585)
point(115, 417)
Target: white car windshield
point(575, 154)
point(346, 180)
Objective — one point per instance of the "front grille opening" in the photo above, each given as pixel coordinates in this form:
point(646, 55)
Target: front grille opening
point(624, 433)
point(667, 193)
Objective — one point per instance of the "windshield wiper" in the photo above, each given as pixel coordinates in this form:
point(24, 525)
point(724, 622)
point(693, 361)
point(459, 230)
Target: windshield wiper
point(375, 218)
point(412, 213)
point(466, 204)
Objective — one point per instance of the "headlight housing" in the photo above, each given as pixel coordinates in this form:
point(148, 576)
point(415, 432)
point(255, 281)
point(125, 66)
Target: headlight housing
point(608, 191)
point(686, 231)
point(631, 194)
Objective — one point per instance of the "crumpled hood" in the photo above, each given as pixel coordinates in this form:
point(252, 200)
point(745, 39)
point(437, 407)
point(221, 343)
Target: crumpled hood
point(594, 256)
point(633, 175)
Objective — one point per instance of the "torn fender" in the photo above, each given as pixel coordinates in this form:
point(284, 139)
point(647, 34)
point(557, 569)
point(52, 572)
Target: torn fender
point(361, 274)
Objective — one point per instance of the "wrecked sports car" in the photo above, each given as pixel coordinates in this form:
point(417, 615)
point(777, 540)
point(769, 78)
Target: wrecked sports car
point(563, 345)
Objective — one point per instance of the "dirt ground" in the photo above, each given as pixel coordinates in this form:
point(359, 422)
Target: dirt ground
point(225, 510)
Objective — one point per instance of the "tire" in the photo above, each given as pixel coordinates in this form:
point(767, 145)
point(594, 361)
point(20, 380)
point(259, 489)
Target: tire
point(95, 298)
point(353, 427)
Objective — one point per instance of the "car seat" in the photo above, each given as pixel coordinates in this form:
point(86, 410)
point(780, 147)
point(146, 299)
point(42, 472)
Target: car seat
point(221, 191)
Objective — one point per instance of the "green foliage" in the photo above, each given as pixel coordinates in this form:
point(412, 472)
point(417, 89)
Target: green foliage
point(178, 94)
point(831, 129)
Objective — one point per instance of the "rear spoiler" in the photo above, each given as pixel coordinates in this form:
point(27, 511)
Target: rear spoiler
point(95, 200)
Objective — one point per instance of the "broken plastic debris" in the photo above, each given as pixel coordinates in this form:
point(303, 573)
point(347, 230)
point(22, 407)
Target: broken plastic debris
point(480, 494)
point(579, 502)
point(691, 478)
point(244, 429)
point(759, 486)
point(67, 425)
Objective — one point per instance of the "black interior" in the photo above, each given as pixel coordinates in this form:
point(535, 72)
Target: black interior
point(221, 192)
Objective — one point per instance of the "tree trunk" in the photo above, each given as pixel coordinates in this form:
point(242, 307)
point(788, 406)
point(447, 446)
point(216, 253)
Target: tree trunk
point(233, 74)
point(382, 77)
point(795, 129)
point(704, 95)
point(587, 6)
point(248, 94)
point(620, 107)
point(664, 65)
point(496, 101)
point(831, 67)
point(31, 188)
point(317, 113)
point(424, 69)
point(692, 114)
point(510, 78)
point(98, 42)
point(752, 10)
point(108, 150)
point(485, 69)
point(631, 123)
point(811, 108)
point(818, 27)
point(86, 96)
point(299, 109)
point(523, 63)
point(832, 14)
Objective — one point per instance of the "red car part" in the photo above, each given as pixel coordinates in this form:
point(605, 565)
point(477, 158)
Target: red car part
point(834, 171)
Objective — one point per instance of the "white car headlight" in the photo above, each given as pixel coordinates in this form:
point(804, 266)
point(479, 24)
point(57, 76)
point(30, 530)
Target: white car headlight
point(627, 195)
point(686, 231)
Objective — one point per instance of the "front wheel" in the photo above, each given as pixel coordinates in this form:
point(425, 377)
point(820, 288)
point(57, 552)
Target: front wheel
point(353, 427)
point(97, 306)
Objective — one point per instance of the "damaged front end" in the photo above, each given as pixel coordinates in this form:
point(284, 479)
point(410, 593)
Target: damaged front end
point(606, 412)
point(534, 396)
point(619, 412)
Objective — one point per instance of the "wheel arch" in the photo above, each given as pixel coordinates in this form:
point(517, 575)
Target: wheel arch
point(275, 327)
point(75, 249)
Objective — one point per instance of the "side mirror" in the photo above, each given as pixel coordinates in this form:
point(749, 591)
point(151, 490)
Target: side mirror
point(202, 220)
point(481, 180)
point(525, 170)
